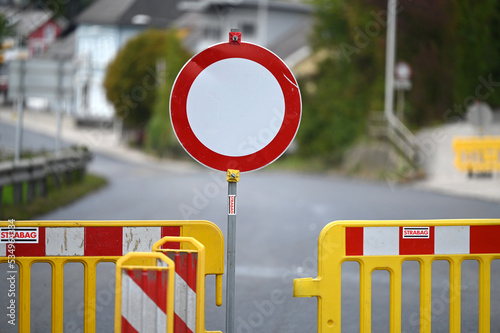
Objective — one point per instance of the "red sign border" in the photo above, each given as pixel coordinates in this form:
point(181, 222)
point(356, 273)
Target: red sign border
point(260, 158)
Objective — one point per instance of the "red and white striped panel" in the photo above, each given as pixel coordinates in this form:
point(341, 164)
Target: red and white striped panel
point(85, 241)
point(144, 300)
point(186, 270)
point(436, 240)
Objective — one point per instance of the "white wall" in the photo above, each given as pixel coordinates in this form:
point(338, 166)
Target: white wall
point(96, 47)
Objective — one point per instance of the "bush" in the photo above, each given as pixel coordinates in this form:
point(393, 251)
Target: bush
point(160, 137)
point(132, 78)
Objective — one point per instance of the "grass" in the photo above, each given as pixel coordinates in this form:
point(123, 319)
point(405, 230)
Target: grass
point(56, 198)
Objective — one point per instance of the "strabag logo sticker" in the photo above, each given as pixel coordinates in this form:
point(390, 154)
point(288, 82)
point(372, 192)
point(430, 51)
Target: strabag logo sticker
point(232, 204)
point(19, 235)
point(416, 232)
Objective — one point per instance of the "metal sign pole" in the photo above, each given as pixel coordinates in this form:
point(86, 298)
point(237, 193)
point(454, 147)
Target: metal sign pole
point(20, 109)
point(61, 105)
point(389, 60)
point(60, 110)
point(233, 176)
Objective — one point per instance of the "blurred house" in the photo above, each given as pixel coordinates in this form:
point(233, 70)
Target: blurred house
point(43, 36)
point(35, 28)
point(282, 27)
point(107, 25)
point(33, 31)
point(102, 29)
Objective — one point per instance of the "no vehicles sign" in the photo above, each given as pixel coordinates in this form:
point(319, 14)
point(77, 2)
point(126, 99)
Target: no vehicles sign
point(235, 106)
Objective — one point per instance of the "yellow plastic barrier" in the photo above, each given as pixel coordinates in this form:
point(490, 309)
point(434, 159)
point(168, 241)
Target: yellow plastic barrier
point(90, 243)
point(189, 282)
point(144, 293)
point(477, 154)
point(385, 245)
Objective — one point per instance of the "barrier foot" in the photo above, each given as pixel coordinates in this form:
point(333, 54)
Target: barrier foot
point(306, 287)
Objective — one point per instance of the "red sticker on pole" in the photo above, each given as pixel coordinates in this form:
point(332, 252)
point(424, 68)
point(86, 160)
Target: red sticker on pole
point(232, 204)
point(235, 105)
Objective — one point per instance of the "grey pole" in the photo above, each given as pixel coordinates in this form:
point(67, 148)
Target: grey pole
point(20, 108)
point(389, 60)
point(61, 106)
point(233, 176)
point(19, 129)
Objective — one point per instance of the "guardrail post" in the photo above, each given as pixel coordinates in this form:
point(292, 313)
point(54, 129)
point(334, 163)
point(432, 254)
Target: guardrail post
point(5, 179)
point(53, 171)
point(17, 192)
point(42, 187)
point(20, 175)
point(31, 191)
point(38, 175)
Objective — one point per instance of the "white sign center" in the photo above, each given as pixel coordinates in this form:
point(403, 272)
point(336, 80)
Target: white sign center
point(235, 106)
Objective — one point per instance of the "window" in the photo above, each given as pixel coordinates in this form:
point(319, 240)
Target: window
point(248, 29)
point(49, 33)
point(212, 32)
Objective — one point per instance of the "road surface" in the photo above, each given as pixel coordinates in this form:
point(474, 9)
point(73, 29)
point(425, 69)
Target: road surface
point(280, 215)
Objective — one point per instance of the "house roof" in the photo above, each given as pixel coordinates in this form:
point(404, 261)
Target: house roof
point(292, 45)
point(154, 13)
point(191, 5)
point(62, 48)
point(26, 21)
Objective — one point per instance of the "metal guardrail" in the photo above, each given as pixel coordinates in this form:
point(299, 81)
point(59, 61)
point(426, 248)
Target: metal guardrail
point(398, 134)
point(35, 172)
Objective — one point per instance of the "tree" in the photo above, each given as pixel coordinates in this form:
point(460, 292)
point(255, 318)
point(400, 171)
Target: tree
point(132, 78)
point(69, 9)
point(6, 29)
point(160, 137)
point(347, 84)
point(453, 47)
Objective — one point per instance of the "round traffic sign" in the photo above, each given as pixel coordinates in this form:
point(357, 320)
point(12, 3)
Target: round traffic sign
point(479, 114)
point(235, 106)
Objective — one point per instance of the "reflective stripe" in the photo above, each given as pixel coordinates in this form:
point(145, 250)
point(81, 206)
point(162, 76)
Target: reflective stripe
point(185, 303)
point(139, 239)
point(64, 242)
point(443, 239)
point(381, 241)
point(139, 309)
point(452, 240)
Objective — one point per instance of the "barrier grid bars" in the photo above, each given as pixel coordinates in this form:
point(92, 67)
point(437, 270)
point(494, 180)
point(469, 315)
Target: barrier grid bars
point(144, 293)
point(88, 243)
point(385, 245)
point(189, 309)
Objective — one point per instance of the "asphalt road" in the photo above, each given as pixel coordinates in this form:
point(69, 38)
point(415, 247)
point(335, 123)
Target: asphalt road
point(280, 215)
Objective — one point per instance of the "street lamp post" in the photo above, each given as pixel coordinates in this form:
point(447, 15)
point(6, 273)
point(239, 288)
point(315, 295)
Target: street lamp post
point(389, 60)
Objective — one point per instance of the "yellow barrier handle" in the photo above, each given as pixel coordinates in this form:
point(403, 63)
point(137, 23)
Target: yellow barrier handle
point(218, 289)
point(306, 287)
point(198, 245)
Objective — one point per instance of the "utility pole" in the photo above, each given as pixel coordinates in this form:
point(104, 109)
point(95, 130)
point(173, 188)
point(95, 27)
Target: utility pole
point(389, 60)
